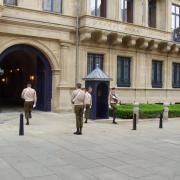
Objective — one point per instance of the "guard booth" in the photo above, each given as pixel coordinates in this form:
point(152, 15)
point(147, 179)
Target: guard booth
point(100, 84)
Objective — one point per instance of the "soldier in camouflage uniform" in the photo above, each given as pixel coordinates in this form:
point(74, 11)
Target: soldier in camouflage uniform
point(77, 99)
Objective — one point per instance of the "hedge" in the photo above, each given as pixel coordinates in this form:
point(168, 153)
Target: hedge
point(125, 111)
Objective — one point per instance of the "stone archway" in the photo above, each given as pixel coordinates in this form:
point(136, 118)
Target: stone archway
point(24, 63)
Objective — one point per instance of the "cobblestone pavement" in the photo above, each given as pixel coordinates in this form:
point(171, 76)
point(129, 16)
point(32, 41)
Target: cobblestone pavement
point(50, 151)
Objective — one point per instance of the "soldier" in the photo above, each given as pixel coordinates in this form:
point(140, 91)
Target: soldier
point(87, 103)
point(113, 100)
point(29, 95)
point(77, 99)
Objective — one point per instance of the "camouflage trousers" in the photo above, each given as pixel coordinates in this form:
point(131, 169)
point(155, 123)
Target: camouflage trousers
point(114, 110)
point(78, 109)
point(87, 111)
point(28, 106)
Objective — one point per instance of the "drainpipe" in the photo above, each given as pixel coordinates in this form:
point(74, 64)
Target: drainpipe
point(77, 40)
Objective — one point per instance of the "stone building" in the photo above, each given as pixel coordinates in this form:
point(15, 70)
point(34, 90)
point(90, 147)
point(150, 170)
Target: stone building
point(56, 43)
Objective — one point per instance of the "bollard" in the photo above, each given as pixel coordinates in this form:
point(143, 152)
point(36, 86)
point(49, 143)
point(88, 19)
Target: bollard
point(136, 110)
point(134, 122)
point(21, 125)
point(161, 120)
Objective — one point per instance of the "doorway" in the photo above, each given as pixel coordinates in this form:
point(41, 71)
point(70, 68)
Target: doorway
point(102, 101)
point(22, 64)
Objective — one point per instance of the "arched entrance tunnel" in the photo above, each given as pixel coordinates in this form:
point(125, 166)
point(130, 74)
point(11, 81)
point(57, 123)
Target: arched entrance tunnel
point(23, 64)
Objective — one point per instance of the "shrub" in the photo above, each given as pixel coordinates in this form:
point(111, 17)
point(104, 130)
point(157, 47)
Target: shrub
point(125, 111)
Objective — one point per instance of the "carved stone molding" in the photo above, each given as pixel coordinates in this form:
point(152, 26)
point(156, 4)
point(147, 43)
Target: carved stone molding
point(129, 41)
point(152, 45)
point(174, 49)
point(86, 36)
point(99, 36)
point(142, 43)
point(115, 39)
point(164, 47)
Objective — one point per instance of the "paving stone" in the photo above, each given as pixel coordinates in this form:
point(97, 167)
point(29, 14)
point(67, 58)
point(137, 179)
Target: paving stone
point(50, 151)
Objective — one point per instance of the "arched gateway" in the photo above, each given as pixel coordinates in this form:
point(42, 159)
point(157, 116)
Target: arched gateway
point(21, 64)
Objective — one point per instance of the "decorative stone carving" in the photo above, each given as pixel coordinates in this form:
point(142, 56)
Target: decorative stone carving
point(113, 26)
point(86, 36)
point(164, 47)
point(99, 36)
point(129, 41)
point(174, 48)
point(152, 45)
point(115, 39)
point(142, 43)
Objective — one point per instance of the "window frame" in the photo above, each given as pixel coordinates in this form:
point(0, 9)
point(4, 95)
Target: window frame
point(175, 15)
point(151, 9)
point(175, 84)
point(96, 9)
point(124, 11)
point(8, 4)
point(121, 82)
point(95, 57)
point(52, 7)
point(154, 75)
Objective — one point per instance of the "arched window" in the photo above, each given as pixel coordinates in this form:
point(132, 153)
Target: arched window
point(52, 5)
point(10, 2)
point(98, 8)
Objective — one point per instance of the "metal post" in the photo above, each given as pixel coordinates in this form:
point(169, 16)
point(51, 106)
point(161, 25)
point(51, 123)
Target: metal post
point(21, 125)
point(77, 41)
point(134, 122)
point(161, 120)
point(136, 110)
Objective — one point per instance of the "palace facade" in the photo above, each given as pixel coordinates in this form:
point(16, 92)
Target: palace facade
point(56, 43)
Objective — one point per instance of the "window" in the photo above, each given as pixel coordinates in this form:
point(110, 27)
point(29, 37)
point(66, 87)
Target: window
point(52, 5)
point(152, 13)
point(98, 8)
point(175, 16)
point(157, 74)
point(93, 60)
point(10, 2)
point(123, 71)
point(127, 10)
point(176, 75)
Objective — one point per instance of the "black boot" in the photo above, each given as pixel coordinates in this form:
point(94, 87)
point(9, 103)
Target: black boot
point(85, 120)
point(77, 132)
point(114, 120)
point(80, 132)
point(27, 121)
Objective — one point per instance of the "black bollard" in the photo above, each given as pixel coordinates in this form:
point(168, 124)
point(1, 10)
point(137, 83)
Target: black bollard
point(21, 125)
point(134, 122)
point(161, 120)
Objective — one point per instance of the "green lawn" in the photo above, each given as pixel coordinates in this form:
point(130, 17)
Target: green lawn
point(125, 111)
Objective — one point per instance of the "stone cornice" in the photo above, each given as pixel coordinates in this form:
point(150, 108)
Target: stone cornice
point(129, 41)
point(121, 27)
point(37, 18)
